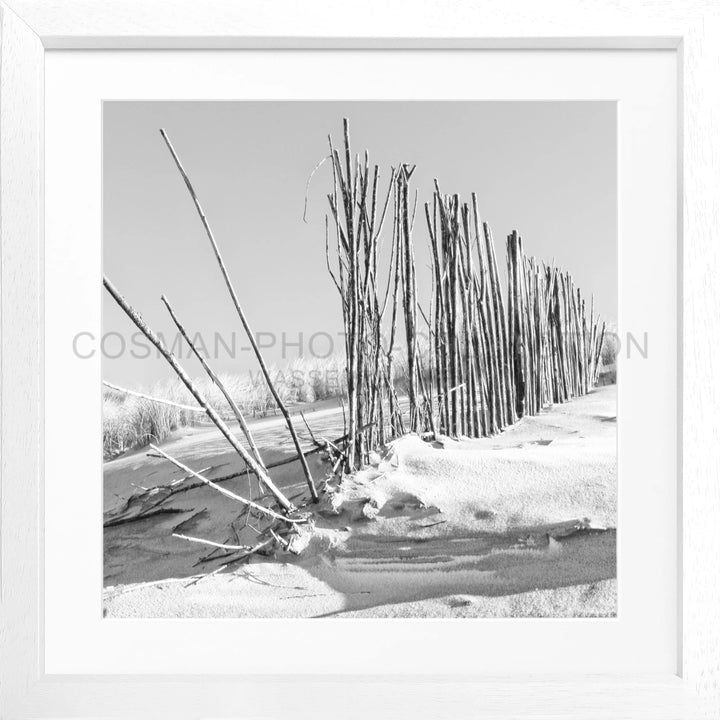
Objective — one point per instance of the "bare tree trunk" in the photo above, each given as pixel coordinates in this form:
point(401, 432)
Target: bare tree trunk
point(218, 383)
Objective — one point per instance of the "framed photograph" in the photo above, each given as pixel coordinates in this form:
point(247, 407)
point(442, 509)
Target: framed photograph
point(365, 365)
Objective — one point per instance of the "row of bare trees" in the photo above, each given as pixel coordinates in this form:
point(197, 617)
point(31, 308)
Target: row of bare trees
point(490, 356)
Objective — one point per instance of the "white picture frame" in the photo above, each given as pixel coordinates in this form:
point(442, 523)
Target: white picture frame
point(30, 28)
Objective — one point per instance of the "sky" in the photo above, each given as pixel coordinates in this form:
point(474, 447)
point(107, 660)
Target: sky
point(545, 169)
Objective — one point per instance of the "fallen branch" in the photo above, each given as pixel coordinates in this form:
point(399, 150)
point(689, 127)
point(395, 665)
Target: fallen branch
point(223, 491)
point(125, 391)
point(254, 549)
point(196, 580)
point(210, 542)
point(124, 520)
point(282, 541)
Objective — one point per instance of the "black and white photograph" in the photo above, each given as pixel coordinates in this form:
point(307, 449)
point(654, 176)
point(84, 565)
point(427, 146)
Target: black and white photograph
point(359, 359)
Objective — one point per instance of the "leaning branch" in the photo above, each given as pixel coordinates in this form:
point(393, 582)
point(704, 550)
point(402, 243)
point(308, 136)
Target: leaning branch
point(210, 411)
point(236, 302)
point(219, 384)
point(125, 391)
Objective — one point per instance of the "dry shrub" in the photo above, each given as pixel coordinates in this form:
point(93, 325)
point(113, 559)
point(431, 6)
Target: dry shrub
point(608, 357)
point(130, 422)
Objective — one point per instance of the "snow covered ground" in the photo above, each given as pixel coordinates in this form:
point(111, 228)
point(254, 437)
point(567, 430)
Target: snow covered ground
point(518, 525)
